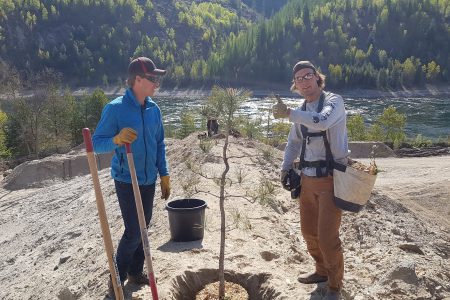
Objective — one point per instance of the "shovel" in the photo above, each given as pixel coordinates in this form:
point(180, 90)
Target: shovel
point(102, 215)
point(142, 226)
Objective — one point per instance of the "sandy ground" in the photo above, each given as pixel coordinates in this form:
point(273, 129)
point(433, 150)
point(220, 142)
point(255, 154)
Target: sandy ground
point(398, 247)
point(421, 184)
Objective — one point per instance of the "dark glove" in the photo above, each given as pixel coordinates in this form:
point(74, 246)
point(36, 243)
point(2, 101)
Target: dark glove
point(291, 182)
point(283, 178)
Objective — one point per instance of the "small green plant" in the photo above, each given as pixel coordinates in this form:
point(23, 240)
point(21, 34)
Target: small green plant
point(240, 175)
point(4, 151)
point(187, 124)
point(250, 129)
point(169, 130)
point(267, 153)
point(280, 132)
point(269, 186)
point(396, 144)
point(193, 167)
point(445, 140)
point(224, 103)
point(265, 192)
point(373, 168)
point(240, 220)
point(420, 141)
point(189, 184)
point(206, 145)
point(217, 180)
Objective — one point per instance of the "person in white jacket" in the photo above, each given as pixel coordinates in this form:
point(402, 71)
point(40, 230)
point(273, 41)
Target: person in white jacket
point(318, 137)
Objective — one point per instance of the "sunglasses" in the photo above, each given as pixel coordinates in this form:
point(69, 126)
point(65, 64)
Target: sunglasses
point(307, 77)
point(154, 79)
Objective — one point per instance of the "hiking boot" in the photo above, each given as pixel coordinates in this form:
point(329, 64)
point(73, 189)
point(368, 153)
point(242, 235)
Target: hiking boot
point(138, 279)
point(312, 278)
point(111, 294)
point(333, 295)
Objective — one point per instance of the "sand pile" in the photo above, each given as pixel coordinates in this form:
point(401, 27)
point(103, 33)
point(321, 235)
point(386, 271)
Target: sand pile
point(398, 247)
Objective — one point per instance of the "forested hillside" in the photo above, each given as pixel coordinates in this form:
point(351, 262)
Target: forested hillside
point(357, 43)
point(91, 42)
point(47, 45)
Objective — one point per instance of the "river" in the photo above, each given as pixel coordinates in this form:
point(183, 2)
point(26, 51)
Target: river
point(429, 116)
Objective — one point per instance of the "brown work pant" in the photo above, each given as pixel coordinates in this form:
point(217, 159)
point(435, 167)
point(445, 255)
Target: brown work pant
point(320, 220)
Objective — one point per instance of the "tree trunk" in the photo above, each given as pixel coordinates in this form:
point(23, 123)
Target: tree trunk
point(222, 219)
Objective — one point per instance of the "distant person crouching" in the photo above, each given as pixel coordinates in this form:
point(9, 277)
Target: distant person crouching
point(213, 127)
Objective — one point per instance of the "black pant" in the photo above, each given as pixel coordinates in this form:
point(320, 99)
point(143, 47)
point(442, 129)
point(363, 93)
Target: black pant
point(130, 253)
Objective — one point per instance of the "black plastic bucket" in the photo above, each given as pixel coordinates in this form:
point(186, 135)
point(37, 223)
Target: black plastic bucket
point(186, 219)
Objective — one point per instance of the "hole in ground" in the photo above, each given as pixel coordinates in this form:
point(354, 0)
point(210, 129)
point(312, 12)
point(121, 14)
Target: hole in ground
point(186, 286)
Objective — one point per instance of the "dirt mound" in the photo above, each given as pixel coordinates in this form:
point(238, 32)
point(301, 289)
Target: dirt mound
point(52, 247)
point(41, 172)
point(370, 149)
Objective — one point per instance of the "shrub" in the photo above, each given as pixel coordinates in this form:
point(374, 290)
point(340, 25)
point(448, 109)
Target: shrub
point(206, 145)
point(421, 141)
point(280, 132)
point(250, 128)
point(393, 125)
point(356, 128)
point(187, 124)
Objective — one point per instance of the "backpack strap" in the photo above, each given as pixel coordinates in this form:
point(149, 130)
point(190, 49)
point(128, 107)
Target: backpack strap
point(319, 164)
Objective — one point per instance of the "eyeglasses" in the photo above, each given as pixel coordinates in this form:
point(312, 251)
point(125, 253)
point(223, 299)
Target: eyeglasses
point(306, 77)
point(154, 79)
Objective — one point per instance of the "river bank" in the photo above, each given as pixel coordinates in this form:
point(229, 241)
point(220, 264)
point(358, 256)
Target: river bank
point(283, 91)
point(263, 91)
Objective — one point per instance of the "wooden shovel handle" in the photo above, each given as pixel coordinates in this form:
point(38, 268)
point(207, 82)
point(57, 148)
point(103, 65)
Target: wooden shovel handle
point(142, 225)
point(102, 216)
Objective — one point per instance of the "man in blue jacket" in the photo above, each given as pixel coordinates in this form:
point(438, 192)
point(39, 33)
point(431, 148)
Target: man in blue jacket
point(135, 119)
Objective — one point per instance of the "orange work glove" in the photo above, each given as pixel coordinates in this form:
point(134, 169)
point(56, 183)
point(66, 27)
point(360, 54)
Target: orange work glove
point(126, 135)
point(165, 187)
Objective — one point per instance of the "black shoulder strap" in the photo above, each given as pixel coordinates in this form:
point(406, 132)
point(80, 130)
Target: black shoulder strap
point(319, 109)
point(305, 138)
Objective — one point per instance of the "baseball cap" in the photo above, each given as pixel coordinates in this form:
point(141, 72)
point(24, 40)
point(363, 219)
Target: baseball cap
point(303, 64)
point(143, 66)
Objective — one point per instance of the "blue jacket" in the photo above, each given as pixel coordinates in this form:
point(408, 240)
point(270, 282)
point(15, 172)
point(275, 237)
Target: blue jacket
point(149, 150)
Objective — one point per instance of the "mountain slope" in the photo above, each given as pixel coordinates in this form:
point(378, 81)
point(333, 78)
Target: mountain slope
point(92, 41)
point(370, 43)
point(355, 43)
